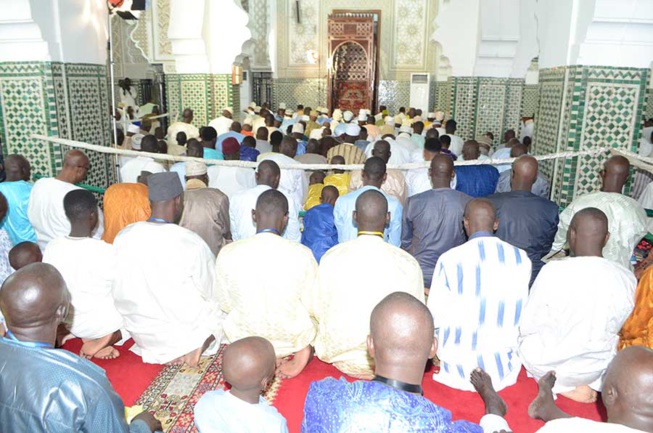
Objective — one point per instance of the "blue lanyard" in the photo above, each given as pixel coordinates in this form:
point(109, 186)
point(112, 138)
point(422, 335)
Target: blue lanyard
point(275, 231)
point(158, 220)
point(34, 344)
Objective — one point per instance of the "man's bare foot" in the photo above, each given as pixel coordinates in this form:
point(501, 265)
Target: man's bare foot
point(482, 382)
point(101, 347)
point(291, 366)
point(582, 394)
point(544, 407)
point(192, 358)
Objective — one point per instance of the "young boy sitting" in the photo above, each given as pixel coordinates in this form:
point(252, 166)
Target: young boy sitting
point(248, 366)
point(23, 254)
point(339, 178)
point(315, 185)
point(320, 232)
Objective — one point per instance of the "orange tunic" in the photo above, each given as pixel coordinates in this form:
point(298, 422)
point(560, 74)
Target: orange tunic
point(638, 329)
point(124, 204)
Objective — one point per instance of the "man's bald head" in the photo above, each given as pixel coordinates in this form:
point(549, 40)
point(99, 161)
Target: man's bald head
point(329, 195)
point(17, 168)
point(382, 150)
point(401, 332)
point(374, 171)
point(615, 174)
point(194, 148)
point(268, 173)
point(75, 166)
point(471, 150)
point(588, 232)
point(34, 298)
point(187, 115)
point(518, 150)
point(628, 389)
point(288, 146)
point(23, 254)
point(271, 211)
point(249, 364)
point(432, 133)
point(441, 171)
point(371, 212)
point(480, 215)
point(524, 173)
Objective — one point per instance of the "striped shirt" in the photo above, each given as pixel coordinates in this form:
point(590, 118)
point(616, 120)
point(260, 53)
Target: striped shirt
point(477, 295)
point(351, 153)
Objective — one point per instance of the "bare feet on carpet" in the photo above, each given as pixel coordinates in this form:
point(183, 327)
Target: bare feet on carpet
point(192, 358)
point(482, 382)
point(292, 365)
point(101, 348)
point(544, 407)
point(582, 394)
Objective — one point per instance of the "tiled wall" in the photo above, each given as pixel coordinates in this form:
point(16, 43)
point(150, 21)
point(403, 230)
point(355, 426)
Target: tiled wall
point(206, 94)
point(55, 99)
point(649, 103)
point(530, 100)
point(310, 92)
point(582, 108)
point(481, 104)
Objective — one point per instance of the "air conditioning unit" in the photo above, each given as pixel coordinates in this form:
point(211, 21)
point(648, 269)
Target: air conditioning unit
point(419, 92)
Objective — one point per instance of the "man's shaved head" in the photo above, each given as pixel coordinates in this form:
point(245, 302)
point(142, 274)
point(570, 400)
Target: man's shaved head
point(268, 173)
point(480, 215)
point(249, 363)
point(432, 133)
point(524, 173)
point(17, 168)
point(329, 195)
point(441, 171)
point(628, 388)
point(34, 297)
point(588, 232)
point(23, 254)
point(615, 173)
point(75, 166)
point(471, 150)
point(371, 211)
point(382, 150)
point(374, 171)
point(272, 202)
point(401, 331)
point(518, 150)
point(74, 158)
point(194, 148)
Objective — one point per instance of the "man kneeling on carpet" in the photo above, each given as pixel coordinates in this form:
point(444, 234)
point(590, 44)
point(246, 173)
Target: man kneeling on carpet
point(401, 341)
point(248, 366)
point(45, 389)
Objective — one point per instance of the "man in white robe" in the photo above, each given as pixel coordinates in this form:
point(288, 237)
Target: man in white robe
point(88, 267)
point(222, 124)
point(476, 297)
point(45, 210)
point(352, 279)
point(269, 301)
point(164, 282)
point(184, 126)
point(575, 311)
point(130, 172)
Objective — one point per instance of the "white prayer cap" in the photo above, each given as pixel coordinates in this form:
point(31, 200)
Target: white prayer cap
point(389, 120)
point(136, 141)
point(229, 109)
point(353, 130)
point(257, 109)
point(298, 128)
point(195, 168)
point(406, 128)
point(347, 115)
point(439, 116)
point(282, 106)
point(252, 105)
point(398, 119)
point(306, 118)
point(132, 128)
point(362, 116)
point(403, 135)
point(337, 114)
point(288, 112)
point(316, 133)
point(378, 117)
point(430, 116)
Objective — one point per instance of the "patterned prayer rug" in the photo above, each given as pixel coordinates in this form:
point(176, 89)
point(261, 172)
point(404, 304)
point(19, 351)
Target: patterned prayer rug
point(172, 395)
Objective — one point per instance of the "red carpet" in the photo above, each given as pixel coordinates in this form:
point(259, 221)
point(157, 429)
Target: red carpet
point(131, 377)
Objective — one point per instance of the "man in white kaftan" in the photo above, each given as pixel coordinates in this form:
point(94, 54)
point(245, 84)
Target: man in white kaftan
point(476, 298)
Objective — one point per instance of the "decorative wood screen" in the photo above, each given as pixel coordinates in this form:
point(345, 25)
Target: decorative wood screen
point(352, 71)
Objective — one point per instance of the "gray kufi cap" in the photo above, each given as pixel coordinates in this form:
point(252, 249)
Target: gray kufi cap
point(164, 186)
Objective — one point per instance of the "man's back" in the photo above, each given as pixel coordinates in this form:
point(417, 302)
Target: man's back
point(527, 221)
point(571, 322)
point(477, 180)
point(164, 289)
point(351, 153)
point(320, 233)
point(46, 213)
point(626, 223)
point(477, 295)
point(432, 225)
point(266, 297)
point(17, 223)
point(540, 188)
point(293, 182)
point(337, 406)
point(231, 180)
point(349, 289)
point(132, 169)
point(206, 213)
point(60, 392)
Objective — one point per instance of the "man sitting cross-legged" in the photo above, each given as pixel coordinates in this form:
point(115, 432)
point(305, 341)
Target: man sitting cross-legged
point(164, 282)
point(49, 390)
point(88, 266)
point(400, 341)
point(374, 269)
point(575, 310)
point(271, 301)
point(477, 294)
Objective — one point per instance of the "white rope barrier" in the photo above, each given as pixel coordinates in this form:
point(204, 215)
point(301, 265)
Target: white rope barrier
point(248, 164)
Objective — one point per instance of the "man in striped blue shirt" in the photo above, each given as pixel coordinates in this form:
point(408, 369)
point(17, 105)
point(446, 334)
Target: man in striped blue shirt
point(476, 298)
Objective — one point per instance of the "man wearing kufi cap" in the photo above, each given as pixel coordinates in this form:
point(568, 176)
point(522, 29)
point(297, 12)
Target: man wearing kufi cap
point(223, 123)
point(164, 282)
point(312, 123)
point(430, 117)
point(206, 210)
point(348, 150)
point(437, 124)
